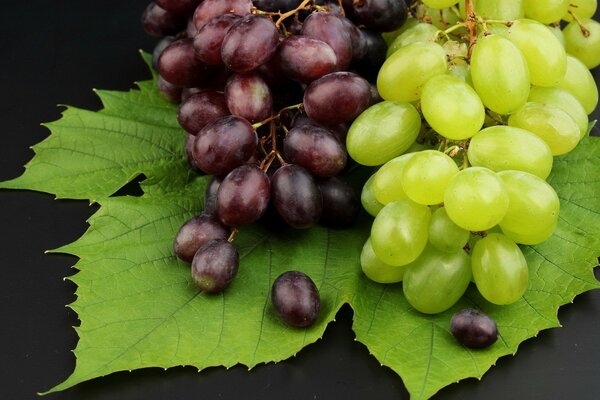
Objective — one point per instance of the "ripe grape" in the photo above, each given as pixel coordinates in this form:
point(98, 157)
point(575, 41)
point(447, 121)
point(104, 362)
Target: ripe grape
point(209, 9)
point(444, 234)
point(387, 181)
point(296, 299)
point(579, 81)
point(210, 194)
point(179, 65)
point(545, 11)
point(368, 199)
point(381, 15)
point(564, 100)
point(159, 22)
point(425, 176)
point(306, 59)
point(169, 91)
point(376, 270)
point(340, 203)
point(507, 10)
point(583, 9)
point(195, 233)
point(249, 96)
point(473, 328)
point(330, 28)
point(215, 265)
point(209, 40)
point(160, 46)
point(421, 32)
point(585, 48)
point(200, 109)
point(178, 6)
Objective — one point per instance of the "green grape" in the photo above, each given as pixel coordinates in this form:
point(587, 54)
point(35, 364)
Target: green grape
point(564, 100)
point(451, 107)
point(436, 280)
point(583, 9)
point(383, 131)
point(403, 74)
point(399, 232)
point(559, 34)
point(499, 269)
point(367, 198)
point(499, 73)
point(425, 176)
point(421, 32)
point(502, 147)
point(579, 81)
point(507, 10)
point(387, 185)
point(440, 3)
point(586, 49)
point(533, 208)
point(476, 199)
point(545, 55)
point(461, 71)
point(375, 269)
point(444, 234)
point(441, 18)
point(545, 11)
point(389, 37)
point(552, 124)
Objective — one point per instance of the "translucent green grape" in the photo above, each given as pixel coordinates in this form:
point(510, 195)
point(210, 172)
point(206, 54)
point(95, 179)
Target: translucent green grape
point(421, 32)
point(507, 10)
point(586, 49)
point(583, 9)
point(367, 198)
point(387, 182)
point(578, 81)
point(377, 270)
point(562, 99)
point(444, 234)
point(425, 176)
point(545, 11)
point(440, 3)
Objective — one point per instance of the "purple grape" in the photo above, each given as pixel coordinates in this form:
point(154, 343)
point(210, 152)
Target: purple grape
point(160, 22)
point(209, 9)
point(178, 6)
point(160, 46)
point(336, 98)
point(341, 204)
point(330, 28)
point(305, 59)
point(189, 146)
point(195, 233)
point(209, 40)
point(215, 265)
point(373, 55)
point(276, 5)
point(224, 144)
point(200, 109)
point(296, 196)
point(190, 28)
point(380, 15)
point(249, 96)
point(250, 42)
point(315, 148)
point(296, 299)
point(473, 328)
point(178, 64)
point(169, 91)
point(243, 196)
point(210, 194)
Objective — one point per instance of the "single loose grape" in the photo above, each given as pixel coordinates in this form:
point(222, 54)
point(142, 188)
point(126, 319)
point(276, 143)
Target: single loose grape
point(296, 299)
point(473, 328)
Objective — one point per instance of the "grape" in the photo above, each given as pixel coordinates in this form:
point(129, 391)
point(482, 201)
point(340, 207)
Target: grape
point(209, 40)
point(383, 131)
point(440, 3)
point(306, 59)
point(315, 148)
point(533, 208)
point(473, 328)
point(178, 65)
point(249, 43)
point(195, 233)
point(159, 22)
point(545, 11)
point(403, 74)
point(249, 97)
point(210, 194)
point(387, 181)
point(224, 144)
point(476, 199)
point(336, 98)
point(376, 270)
point(550, 123)
point(421, 32)
point(200, 109)
point(276, 5)
point(556, 31)
point(330, 28)
point(367, 198)
point(506, 10)
point(243, 196)
point(436, 280)
point(586, 49)
point(296, 299)
point(389, 37)
point(399, 232)
point(502, 147)
point(340, 203)
point(380, 15)
point(178, 6)
point(500, 74)
point(583, 9)
point(564, 100)
point(499, 269)
point(426, 175)
point(440, 18)
point(215, 265)
point(451, 107)
point(208, 9)
point(296, 196)
point(160, 46)
point(579, 81)
point(169, 91)
point(444, 234)
point(373, 54)
point(545, 55)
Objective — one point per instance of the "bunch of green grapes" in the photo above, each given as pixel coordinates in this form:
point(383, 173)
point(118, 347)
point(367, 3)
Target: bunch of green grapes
point(479, 96)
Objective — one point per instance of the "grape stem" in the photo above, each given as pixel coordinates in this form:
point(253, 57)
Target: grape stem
point(471, 27)
point(232, 235)
point(584, 31)
point(284, 16)
point(276, 116)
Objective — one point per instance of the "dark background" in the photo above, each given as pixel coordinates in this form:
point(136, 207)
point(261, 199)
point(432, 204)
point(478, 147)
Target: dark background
point(55, 52)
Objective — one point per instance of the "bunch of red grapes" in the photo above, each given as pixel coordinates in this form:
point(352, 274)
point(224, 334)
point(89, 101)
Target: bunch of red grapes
point(267, 89)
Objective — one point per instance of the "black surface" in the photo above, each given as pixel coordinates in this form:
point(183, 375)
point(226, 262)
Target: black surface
point(55, 52)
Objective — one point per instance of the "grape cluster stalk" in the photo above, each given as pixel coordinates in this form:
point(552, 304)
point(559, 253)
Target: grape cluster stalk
point(266, 92)
point(479, 96)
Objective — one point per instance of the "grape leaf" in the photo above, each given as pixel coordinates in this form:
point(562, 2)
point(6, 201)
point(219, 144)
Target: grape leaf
point(138, 306)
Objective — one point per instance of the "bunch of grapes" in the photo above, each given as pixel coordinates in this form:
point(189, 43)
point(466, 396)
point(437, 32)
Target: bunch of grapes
point(267, 89)
point(479, 96)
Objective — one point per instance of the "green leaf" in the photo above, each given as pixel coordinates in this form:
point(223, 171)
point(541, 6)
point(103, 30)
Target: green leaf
point(138, 306)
